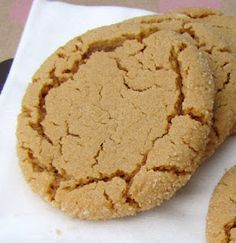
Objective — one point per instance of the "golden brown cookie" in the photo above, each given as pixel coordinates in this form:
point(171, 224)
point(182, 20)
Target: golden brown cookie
point(225, 25)
point(116, 121)
point(221, 218)
point(222, 55)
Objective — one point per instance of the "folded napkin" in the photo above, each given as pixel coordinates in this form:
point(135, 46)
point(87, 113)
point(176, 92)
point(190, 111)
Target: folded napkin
point(24, 217)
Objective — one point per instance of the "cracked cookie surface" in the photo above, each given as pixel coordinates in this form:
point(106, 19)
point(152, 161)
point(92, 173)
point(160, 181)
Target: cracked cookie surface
point(214, 34)
point(225, 25)
point(116, 121)
point(221, 218)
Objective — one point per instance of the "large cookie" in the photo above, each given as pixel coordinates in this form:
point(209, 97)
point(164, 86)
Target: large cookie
point(221, 218)
point(221, 52)
point(116, 121)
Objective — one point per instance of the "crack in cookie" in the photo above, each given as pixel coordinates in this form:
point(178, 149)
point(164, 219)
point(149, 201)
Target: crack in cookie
point(227, 228)
point(203, 27)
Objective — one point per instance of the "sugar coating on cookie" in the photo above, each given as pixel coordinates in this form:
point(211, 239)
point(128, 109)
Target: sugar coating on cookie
point(214, 34)
point(221, 218)
point(116, 121)
point(226, 26)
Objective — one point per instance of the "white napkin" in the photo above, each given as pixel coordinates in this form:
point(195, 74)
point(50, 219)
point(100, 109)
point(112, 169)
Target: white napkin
point(24, 217)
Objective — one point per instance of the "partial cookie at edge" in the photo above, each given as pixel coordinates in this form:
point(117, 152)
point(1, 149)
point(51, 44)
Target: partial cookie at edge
point(221, 218)
point(221, 53)
point(224, 24)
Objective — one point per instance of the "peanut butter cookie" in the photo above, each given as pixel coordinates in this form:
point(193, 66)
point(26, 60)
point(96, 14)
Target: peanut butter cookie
point(215, 38)
point(225, 25)
point(221, 218)
point(116, 121)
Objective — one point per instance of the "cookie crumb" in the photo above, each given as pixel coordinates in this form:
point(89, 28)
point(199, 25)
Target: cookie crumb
point(58, 232)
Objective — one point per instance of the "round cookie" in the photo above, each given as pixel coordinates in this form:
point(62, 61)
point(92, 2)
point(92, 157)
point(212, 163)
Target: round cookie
point(116, 121)
point(221, 54)
point(221, 218)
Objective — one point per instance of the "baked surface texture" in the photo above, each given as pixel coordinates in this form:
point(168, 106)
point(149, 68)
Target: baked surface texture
point(215, 35)
point(116, 121)
point(225, 25)
point(221, 218)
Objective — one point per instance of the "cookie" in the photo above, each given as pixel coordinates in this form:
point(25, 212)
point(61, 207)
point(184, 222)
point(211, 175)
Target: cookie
point(116, 121)
point(221, 218)
point(224, 24)
point(221, 53)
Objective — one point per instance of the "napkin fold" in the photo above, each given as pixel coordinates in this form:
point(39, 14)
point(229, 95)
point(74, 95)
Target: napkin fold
point(24, 217)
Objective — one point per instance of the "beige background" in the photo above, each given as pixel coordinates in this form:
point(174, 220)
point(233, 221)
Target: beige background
point(10, 30)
